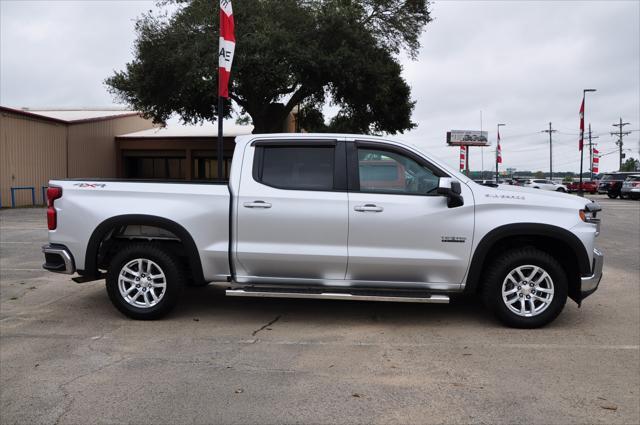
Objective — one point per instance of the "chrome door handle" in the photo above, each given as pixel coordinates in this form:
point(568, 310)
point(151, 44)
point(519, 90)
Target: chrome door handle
point(368, 208)
point(257, 204)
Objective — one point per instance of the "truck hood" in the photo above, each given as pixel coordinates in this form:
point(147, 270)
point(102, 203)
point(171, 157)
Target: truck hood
point(530, 196)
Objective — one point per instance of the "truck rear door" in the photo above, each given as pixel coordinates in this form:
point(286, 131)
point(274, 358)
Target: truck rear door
point(292, 212)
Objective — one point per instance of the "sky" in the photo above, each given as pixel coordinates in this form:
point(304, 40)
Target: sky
point(521, 63)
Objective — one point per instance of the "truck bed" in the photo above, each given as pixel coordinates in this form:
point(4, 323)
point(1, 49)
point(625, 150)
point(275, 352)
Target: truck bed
point(200, 208)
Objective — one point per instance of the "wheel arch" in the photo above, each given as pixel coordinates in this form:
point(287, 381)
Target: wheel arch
point(103, 229)
point(564, 245)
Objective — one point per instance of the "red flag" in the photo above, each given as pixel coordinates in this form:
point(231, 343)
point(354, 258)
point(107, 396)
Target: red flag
point(463, 157)
point(581, 143)
point(226, 47)
point(499, 150)
point(595, 167)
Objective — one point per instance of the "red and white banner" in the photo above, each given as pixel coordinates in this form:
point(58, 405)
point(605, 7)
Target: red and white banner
point(499, 150)
point(226, 47)
point(595, 167)
point(581, 142)
point(463, 158)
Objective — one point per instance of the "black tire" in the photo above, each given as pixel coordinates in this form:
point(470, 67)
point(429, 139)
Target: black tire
point(498, 271)
point(560, 190)
point(173, 279)
point(612, 195)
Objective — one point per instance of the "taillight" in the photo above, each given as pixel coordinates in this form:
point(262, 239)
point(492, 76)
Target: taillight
point(635, 184)
point(53, 193)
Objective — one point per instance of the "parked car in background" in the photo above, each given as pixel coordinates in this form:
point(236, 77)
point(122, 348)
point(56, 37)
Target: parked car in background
point(545, 185)
point(631, 187)
point(588, 186)
point(611, 183)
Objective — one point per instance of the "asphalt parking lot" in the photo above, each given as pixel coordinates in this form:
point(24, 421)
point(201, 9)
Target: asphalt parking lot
point(67, 356)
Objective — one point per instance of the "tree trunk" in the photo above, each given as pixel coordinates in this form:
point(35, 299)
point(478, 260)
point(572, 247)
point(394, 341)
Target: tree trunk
point(269, 119)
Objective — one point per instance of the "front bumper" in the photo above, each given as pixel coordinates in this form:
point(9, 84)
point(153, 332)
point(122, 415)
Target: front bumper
point(58, 259)
point(589, 284)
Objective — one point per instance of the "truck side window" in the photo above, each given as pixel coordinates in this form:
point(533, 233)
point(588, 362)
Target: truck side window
point(383, 171)
point(298, 168)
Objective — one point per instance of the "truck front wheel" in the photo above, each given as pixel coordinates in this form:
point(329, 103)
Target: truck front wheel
point(525, 288)
point(144, 281)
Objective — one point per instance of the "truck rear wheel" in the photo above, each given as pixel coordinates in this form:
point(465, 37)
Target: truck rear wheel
point(525, 288)
point(144, 281)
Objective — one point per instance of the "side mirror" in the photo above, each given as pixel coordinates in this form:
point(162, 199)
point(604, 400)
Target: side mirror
point(452, 190)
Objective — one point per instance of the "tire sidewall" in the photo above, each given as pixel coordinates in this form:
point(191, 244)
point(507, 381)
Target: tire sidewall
point(503, 267)
point(168, 264)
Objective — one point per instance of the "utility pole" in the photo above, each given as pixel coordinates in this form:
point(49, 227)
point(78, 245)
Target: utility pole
point(550, 131)
point(591, 151)
point(620, 135)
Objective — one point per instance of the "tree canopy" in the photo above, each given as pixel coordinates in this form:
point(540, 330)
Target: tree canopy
point(289, 53)
point(630, 164)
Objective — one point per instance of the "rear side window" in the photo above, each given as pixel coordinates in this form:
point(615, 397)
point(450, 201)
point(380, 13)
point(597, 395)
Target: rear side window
point(297, 168)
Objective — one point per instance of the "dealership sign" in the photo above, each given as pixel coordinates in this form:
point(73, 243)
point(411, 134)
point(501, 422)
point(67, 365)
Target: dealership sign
point(467, 138)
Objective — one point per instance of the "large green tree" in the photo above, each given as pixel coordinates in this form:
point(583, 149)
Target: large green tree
point(630, 164)
point(288, 53)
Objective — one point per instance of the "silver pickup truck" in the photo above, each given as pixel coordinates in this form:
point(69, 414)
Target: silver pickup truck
point(330, 216)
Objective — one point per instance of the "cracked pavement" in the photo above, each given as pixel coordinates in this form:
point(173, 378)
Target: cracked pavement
point(68, 357)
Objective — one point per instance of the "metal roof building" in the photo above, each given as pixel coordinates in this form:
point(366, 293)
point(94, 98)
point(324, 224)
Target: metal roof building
point(38, 145)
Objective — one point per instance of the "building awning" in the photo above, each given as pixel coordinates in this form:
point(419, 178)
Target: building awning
point(231, 129)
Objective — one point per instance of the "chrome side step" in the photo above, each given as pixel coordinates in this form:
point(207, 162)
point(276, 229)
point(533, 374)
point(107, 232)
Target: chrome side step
point(432, 299)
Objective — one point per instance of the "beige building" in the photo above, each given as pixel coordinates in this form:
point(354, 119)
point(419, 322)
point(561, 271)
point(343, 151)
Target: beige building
point(38, 145)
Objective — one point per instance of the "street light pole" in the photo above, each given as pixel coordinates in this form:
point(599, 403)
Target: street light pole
point(584, 95)
point(498, 149)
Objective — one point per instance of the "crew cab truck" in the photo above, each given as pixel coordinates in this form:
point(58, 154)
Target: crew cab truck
point(328, 216)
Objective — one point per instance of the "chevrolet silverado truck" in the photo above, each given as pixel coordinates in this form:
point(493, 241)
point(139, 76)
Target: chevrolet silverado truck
point(328, 216)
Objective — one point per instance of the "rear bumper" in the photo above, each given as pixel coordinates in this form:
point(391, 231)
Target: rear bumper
point(589, 284)
point(58, 259)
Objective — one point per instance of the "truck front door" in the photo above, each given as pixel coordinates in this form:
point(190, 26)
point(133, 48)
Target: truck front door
point(400, 230)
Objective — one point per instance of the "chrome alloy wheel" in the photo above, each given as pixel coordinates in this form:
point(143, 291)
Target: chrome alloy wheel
point(142, 283)
point(527, 290)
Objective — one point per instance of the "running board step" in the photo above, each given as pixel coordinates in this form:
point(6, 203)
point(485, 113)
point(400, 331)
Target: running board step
point(432, 299)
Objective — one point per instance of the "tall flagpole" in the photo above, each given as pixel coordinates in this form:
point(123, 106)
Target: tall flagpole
point(220, 147)
point(226, 48)
point(580, 193)
point(581, 144)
